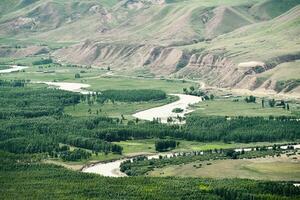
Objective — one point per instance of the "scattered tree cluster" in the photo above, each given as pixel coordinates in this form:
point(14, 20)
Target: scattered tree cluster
point(164, 145)
point(43, 61)
point(197, 92)
point(250, 99)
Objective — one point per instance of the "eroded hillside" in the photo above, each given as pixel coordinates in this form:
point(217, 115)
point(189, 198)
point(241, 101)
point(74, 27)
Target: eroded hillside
point(238, 44)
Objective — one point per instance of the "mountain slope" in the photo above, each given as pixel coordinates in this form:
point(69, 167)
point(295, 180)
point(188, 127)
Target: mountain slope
point(231, 43)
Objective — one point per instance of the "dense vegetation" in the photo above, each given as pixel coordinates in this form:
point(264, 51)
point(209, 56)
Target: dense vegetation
point(33, 126)
point(43, 61)
point(238, 129)
point(164, 145)
point(133, 95)
point(20, 180)
point(242, 129)
point(32, 121)
point(30, 103)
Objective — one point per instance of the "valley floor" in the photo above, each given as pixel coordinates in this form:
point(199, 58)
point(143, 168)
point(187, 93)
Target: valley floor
point(277, 169)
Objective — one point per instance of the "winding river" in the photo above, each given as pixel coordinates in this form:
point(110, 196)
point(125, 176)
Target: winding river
point(112, 169)
point(165, 111)
point(72, 87)
point(13, 68)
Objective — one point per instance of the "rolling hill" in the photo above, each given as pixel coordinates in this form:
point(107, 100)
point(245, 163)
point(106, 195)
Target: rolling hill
point(251, 44)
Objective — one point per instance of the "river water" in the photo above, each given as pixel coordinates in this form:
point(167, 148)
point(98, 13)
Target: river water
point(13, 68)
point(165, 111)
point(72, 87)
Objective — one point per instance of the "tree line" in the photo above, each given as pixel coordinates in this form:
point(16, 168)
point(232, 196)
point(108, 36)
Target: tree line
point(133, 95)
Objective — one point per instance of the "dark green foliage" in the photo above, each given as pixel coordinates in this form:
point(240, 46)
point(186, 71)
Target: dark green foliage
point(29, 102)
point(20, 180)
point(77, 75)
point(133, 95)
point(28, 145)
point(32, 121)
point(92, 144)
point(77, 154)
point(12, 83)
point(164, 145)
point(43, 61)
point(272, 103)
point(177, 110)
point(193, 91)
point(238, 129)
point(241, 129)
point(250, 99)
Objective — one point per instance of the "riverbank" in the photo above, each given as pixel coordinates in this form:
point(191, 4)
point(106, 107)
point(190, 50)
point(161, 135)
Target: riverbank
point(13, 68)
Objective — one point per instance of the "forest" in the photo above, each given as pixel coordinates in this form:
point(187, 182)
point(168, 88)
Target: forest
point(32, 120)
point(19, 180)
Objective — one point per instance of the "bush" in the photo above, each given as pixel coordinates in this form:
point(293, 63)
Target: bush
point(177, 110)
point(163, 145)
point(43, 62)
point(77, 75)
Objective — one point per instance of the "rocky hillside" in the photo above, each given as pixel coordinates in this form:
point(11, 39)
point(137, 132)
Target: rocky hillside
point(234, 43)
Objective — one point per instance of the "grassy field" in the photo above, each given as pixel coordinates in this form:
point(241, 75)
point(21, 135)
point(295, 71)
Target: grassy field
point(147, 146)
point(169, 86)
point(283, 168)
point(227, 107)
point(96, 77)
point(115, 109)
point(53, 72)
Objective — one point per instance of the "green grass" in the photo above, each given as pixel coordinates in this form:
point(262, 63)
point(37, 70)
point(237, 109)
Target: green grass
point(259, 42)
point(284, 71)
point(148, 145)
point(2, 67)
point(132, 147)
point(227, 107)
point(283, 169)
point(123, 83)
point(51, 72)
point(93, 76)
point(115, 109)
point(272, 8)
